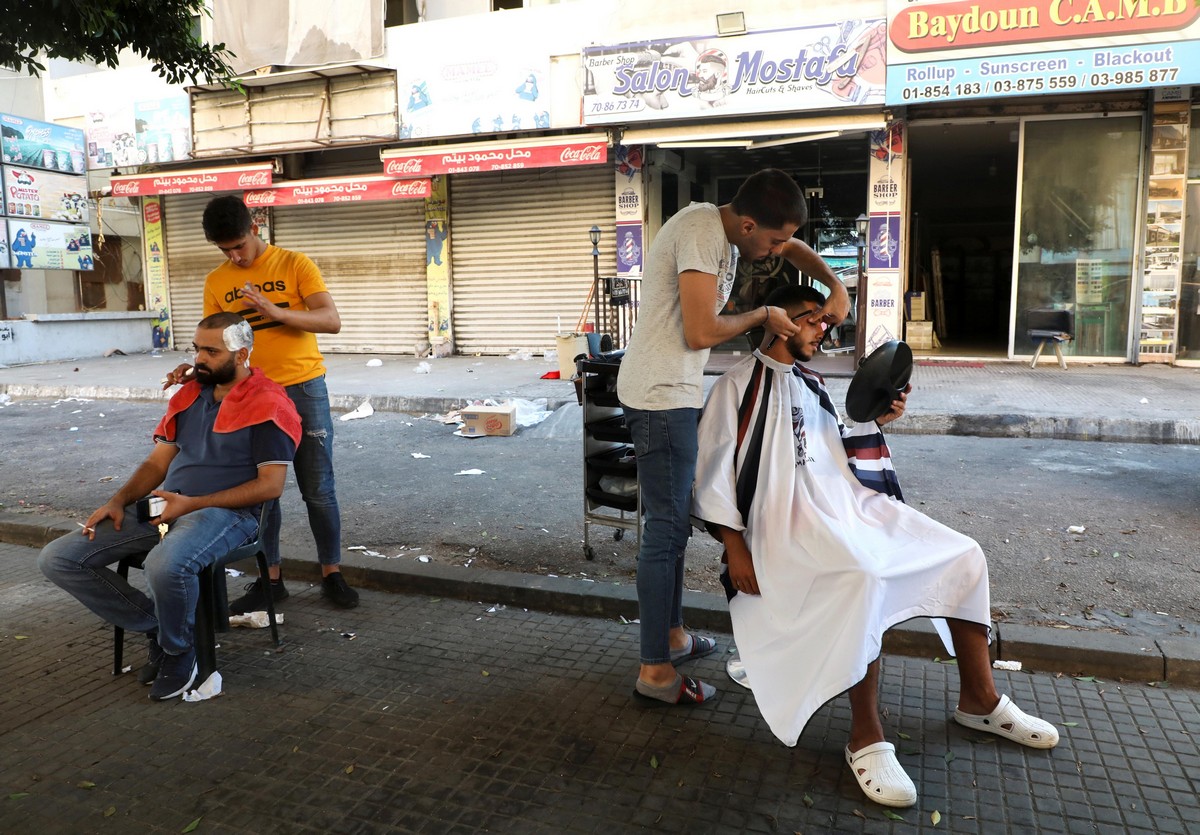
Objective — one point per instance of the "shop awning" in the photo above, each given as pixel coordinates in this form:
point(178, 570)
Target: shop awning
point(194, 181)
point(339, 190)
point(534, 152)
point(765, 133)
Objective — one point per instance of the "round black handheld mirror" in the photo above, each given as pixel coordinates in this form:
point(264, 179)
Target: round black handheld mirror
point(881, 376)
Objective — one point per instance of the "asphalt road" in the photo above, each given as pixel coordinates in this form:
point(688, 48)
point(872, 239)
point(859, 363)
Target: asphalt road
point(1133, 569)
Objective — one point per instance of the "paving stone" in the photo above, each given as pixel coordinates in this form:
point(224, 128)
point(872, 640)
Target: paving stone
point(400, 731)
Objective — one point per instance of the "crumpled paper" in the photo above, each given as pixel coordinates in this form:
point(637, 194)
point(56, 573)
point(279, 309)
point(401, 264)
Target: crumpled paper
point(209, 689)
point(254, 620)
point(364, 410)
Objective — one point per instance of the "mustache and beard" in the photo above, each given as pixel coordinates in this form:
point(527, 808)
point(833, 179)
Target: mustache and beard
point(216, 376)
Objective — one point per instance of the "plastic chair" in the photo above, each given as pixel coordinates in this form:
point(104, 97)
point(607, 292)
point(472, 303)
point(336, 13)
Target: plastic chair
point(1050, 326)
point(212, 605)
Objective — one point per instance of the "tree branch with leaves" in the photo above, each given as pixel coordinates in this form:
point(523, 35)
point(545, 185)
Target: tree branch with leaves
point(97, 30)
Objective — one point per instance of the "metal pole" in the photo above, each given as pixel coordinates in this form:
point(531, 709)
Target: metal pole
point(860, 306)
point(596, 285)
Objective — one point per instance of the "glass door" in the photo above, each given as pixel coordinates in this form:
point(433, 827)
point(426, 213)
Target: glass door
point(1189, 296)
point(1076, 225)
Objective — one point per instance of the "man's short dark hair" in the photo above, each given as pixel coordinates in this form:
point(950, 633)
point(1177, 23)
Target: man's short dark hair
point(226, 219)
point(772, 199)
point(792, 295)
point(220, 321)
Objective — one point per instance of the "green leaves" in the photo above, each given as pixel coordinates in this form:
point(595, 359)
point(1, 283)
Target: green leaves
point(158, 30)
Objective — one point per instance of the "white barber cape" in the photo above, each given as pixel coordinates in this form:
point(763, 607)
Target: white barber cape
point(838, 563)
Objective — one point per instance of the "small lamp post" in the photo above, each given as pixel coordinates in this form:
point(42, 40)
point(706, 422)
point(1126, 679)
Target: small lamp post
point(594, 237)
point(861, 224)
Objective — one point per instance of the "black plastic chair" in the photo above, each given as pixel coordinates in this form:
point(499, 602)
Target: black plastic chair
point(212, 605)
point(1051, 326)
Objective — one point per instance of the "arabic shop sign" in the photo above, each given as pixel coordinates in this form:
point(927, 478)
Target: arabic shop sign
point(808, 68)
point(339, 190)
point(462, 159)
point(194, 182)
point(955, 50)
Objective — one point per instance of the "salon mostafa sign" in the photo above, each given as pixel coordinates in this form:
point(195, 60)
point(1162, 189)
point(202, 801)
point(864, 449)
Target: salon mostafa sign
point(961, 50)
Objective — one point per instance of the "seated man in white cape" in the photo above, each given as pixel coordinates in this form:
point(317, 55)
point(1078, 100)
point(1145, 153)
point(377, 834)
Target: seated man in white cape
point(824, 557)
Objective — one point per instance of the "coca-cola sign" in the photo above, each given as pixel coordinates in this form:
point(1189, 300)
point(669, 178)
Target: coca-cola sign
point(257, 179)
point(465, 159)
point(193, 181)
point(339, 190)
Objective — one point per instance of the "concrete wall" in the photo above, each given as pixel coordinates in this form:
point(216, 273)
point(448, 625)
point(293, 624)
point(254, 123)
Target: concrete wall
point(45, 337)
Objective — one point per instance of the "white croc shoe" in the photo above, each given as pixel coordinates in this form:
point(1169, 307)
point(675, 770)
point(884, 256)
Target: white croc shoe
point(881, 776)
point(1010, 722)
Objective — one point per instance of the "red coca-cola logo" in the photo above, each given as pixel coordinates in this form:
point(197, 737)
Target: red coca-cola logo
point(124, 189)
point(410, 188)
point(587, 153)
point(260, 198)
point(412, 165)
point(258, 178)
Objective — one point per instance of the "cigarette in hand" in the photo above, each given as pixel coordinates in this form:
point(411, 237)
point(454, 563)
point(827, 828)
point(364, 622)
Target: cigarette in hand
point(189, 371)
point(86, 529)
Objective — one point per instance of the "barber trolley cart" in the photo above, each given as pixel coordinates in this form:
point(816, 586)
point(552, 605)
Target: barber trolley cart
point(610, 484)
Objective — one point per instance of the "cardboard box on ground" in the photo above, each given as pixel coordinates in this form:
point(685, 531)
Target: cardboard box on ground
point(489, 420)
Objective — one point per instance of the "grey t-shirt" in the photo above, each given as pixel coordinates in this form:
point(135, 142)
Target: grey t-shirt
point(659, 371)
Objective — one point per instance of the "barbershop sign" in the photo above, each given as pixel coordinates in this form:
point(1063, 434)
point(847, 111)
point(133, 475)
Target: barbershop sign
point(339, 190)
point(196, 181)
point(814, 67)
point(462, 159)
point(966, 50)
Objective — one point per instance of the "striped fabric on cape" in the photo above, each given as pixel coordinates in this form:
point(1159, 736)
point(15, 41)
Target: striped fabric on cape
point(866, 450)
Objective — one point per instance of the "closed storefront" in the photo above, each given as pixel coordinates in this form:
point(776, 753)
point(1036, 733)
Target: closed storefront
point(522, 261)
point(189, 259)
point(372, 256)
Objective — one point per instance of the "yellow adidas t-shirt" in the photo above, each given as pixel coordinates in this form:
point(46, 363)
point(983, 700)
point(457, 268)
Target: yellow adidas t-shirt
point(287, 355)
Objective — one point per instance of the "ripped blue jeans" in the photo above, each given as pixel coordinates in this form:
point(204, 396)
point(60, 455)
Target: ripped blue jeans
point(313, 465)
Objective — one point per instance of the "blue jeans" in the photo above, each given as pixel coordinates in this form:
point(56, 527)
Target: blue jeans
point(314, 473)
point(172, 566)
point(666, 446)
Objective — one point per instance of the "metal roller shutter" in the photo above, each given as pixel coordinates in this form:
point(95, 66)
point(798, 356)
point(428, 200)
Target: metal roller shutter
point(189, 259)
point(372, 256)
point(521, 255)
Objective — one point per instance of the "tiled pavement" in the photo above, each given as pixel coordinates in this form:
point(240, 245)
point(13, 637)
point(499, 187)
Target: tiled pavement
point(418, 714)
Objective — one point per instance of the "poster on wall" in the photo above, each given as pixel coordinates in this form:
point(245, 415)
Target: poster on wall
point(40, 245)
point(496, 91)
point(163, 130)
point(814, 67)
point(948, 49)
point(437, 263)
point(629, 210)
point(156, 272)
point(46, 195)
point(885, 206)
point(111, 137)
point(41, 145)
point(1164, 231)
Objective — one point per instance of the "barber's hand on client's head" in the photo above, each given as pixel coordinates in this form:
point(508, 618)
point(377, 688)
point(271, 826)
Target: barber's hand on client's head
point(897, 409)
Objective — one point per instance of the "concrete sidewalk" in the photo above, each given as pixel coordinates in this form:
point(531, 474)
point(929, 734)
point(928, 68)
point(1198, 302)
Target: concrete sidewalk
point(1150, 403)
point(420, 714)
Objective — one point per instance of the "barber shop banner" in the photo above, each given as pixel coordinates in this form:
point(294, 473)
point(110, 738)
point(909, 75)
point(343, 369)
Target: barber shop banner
point(938, 50)
point(815, 67)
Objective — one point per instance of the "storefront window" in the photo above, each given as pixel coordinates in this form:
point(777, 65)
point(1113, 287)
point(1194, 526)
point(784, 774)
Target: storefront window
point(1075, 236)
point(1189, 295)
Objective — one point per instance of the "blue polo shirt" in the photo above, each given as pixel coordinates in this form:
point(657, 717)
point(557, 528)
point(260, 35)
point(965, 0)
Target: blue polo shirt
point(208, 461)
